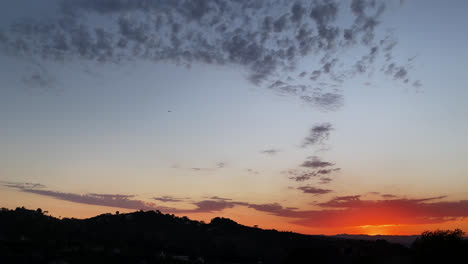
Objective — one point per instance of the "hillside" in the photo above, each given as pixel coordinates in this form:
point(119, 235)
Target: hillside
point(29, 236)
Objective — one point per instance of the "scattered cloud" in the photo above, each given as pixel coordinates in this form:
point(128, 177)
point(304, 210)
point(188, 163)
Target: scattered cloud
point(318, 134)
point(213, 206)
point(252, 171)
point(299, 176)
point(327, 171)
point(389, 196)
point(120, 201)
point(325, 180)
point(200, 169)
point(324, 101)
point(22, 185)
point(169, 199)
point(266, 42)
point(219, 198)
point(305, 175)
point(111, 200)
point(315, 162)
point(270, 151)
point(313, 190)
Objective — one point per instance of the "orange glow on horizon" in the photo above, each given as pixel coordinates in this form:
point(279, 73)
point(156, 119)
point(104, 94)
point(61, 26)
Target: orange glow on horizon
point(368, 221)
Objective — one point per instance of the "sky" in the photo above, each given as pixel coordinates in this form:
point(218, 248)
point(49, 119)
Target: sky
point(318, 117)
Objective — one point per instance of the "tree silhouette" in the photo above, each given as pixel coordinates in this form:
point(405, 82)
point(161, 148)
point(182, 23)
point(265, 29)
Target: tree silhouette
point(440, 246)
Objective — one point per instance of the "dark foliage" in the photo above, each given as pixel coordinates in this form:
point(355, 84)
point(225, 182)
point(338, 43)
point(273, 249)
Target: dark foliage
point(441, 246)
point(30, 236)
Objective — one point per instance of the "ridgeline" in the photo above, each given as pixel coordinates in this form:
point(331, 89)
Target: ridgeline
point(30, 236)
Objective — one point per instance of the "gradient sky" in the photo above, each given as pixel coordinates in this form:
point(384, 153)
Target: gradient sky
point(319, 117)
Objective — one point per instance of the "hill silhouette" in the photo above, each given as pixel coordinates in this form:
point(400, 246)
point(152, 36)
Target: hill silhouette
point(30, 236)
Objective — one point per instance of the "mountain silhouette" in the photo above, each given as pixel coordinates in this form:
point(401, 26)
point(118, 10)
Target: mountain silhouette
point(30, 236)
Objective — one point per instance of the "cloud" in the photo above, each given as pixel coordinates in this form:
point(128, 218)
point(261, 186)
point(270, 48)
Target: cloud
point(389, 196)
point(317, 134)
point(313, 190)
point(267, 43)
point(219, 198)
point(270, 151)
point(200, 169)
point(214, 206)
point(340, 211)
point(22, 185)
point(315, 163)
point(217, 165)
point(352, 211)
point(325, 180)
point(349, 211)
point(120, 201)
point(417, 84)
point(327, 171)
point(324, 101)
point(168, 199)
point(252, 171)
point(305, 175)
point(300, 176)
point(111, 200)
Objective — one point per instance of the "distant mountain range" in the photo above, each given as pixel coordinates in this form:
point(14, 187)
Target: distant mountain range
point(403, 240)
point(29, 236)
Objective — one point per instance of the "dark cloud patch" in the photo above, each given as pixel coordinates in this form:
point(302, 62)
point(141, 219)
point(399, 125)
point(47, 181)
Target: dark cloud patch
point(111, 196)
point(317, 134)
point(300, 176)
point(315, 162)
point(400, 73)
point(111, 200)
point(220, 165)
point(325, 180)
point(327, 171)
point(342, 201)
point(169, 199)
point(22, 185)
point(270, 151)
point(266, 42)
point(120, 201)
point(305, 175)
point(200, 169)
point(270, 208)
point(297, 12)
point(389, 196)
point(313, 190)
point(324, 101)
point(417, 84)
point(216, 205)
point(219, 198)
point(252, 171)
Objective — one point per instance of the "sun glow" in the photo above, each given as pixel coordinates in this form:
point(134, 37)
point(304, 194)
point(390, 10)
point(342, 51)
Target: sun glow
point(373, 230)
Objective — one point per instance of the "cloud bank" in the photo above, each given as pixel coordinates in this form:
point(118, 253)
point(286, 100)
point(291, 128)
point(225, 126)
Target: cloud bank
point(340, 211)
point(267, 38)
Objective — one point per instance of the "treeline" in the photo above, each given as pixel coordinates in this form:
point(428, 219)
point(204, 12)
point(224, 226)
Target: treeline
point(30, 236)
